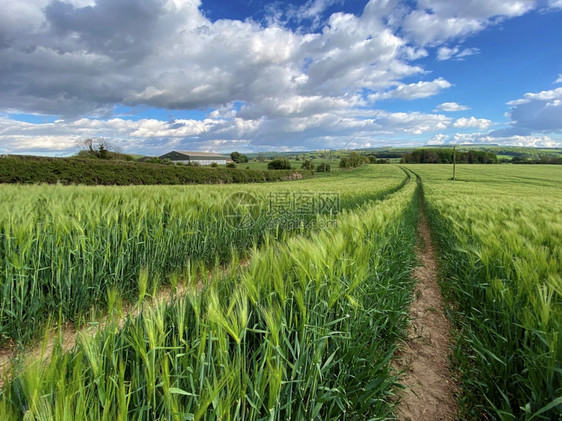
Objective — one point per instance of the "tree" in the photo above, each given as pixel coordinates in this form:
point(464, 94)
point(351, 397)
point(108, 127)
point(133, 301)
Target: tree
point(279, 164)
point(353, 160)
point(308, 165)
point(96, 147)
point(238, 157)
point(324, 167)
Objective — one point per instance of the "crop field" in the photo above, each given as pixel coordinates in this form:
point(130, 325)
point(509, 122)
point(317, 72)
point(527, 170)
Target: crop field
point(281, 321)
point(500, 232)
point(63, 248)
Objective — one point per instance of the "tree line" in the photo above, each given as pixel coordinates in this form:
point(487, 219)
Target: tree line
point(445, 156)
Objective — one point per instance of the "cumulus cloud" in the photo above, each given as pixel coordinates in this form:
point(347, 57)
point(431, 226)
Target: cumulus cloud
point(455, 53)
point(480, 123)
point(438, 139)
point(422, 89)
point(83, 60)
point(306, 87)
point(559, 80)
point(435, 21)
point(537, 112)
point(451, 107)
point(514, 140)
point(317, 130)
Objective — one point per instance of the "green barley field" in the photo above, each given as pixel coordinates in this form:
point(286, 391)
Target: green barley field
point(276, 321)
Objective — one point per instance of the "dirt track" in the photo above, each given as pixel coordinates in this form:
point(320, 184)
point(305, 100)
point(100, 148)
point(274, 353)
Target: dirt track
point(431, 392)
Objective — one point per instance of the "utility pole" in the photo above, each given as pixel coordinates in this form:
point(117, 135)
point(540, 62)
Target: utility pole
point(454, 161)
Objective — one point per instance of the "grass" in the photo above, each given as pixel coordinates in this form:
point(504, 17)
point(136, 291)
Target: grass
point(256, 165)
point(306, 331)
point(62, 248)
point(500, 235)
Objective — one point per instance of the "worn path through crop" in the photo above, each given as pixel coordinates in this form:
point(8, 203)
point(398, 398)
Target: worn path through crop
point(430, 392)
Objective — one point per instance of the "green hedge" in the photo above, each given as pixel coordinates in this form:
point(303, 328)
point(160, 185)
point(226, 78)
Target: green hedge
point(31, 170)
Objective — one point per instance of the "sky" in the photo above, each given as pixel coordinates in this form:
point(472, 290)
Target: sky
point(153, 76)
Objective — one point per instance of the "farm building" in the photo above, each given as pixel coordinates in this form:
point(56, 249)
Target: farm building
point(202, 158)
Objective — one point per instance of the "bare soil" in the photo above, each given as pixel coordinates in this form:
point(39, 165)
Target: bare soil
point(431, 391)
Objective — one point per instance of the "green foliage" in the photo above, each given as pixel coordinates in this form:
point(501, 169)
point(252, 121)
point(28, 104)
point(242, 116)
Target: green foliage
point(445, 156)
point(30, 170)
point(353, 160)
point(308, 165)
point(323, 167)
point(279, 164)
point(214, 165)
point(231, 165)
point(238, 157)
point(155, 160)
point(541, 160)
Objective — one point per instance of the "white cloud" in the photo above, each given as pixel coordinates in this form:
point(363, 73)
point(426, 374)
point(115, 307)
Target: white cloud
point(303, 88)
point(480, 123)
point(537, 112)
point(559, 80)
point(455, 53)
point(316, 129)
point(540, 96)
point(515, 140)
point(435, 21)
point(438, 139)
point(422, 89)
point(451, 107)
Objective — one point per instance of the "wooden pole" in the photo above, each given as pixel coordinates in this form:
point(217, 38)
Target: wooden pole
point(454, 161)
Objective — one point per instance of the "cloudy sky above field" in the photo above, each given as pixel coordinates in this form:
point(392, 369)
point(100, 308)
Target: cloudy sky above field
point(221, 75)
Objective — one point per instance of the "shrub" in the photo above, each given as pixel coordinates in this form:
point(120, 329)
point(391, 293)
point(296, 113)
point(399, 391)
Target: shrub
point(29, 170)
point(279, 164)
point(324, 167)
point(232, 165)
point(238, 157)
point(307, 165)
point(214, 164)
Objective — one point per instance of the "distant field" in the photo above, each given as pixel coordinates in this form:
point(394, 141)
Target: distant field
point(255, 165)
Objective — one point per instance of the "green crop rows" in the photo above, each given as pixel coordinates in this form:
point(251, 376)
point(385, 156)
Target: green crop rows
point(500, 232)
point(301, 323)
point(62, 248)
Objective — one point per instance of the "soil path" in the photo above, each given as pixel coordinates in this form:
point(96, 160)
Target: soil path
point(430, 389)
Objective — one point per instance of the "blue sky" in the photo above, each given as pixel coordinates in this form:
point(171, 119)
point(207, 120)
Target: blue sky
point(248, 75)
